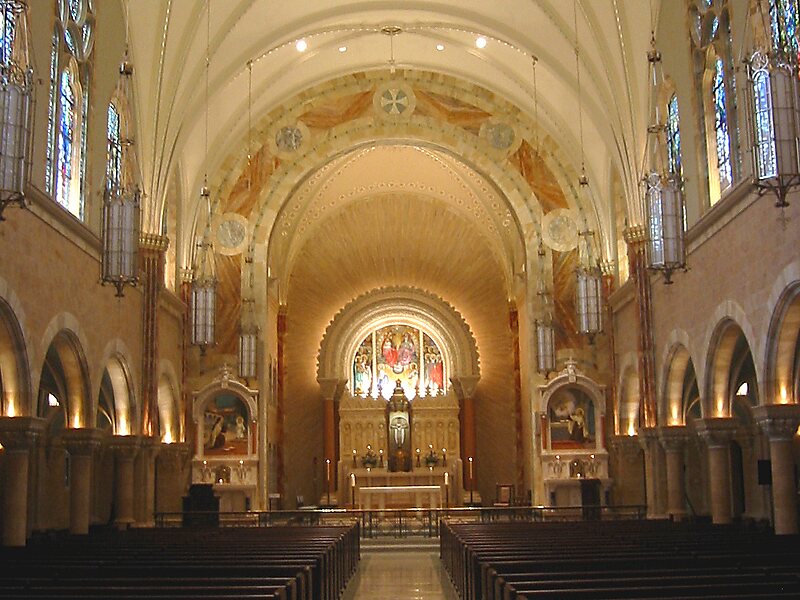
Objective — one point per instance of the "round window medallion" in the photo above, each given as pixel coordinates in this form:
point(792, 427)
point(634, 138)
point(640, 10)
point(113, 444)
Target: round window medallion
point(231, 233)
point(394, 100)
point(559, 230)
point(501, 136)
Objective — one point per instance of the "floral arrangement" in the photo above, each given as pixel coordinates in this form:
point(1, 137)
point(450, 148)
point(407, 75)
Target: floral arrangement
point(431, 460)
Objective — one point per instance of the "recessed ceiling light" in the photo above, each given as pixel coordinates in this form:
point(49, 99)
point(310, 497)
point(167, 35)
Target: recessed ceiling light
point(342, 48)
point(301, 45)
point(440, 47)
point(481, 42)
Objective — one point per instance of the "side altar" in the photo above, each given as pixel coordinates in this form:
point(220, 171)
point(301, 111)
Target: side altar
point(399, 453)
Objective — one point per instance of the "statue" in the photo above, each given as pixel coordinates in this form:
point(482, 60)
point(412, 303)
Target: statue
point(399, 427)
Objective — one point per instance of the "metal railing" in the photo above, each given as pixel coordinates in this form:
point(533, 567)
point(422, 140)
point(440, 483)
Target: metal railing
point(398, 522)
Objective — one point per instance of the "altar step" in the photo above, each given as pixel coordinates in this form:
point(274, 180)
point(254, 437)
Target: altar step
point(408, 544)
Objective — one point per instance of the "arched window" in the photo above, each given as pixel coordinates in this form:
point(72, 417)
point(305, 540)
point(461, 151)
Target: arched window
point(783, 23)
point(398, 353)
point(65, 155)
point(8, 26)
point(674, 137)
point(114, 160)
point(70, 58)
point(722, 134)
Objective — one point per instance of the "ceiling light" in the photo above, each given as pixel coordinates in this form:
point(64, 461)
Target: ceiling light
point(481, 42)
point(342, 48)
point(301, 45)
point(440, 47)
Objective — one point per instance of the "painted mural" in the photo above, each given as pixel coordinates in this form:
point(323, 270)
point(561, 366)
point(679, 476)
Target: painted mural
point(397, 353)
point(571, 416)
point(225, 426)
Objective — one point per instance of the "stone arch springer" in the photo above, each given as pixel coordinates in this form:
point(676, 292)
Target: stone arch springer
point(387, 305)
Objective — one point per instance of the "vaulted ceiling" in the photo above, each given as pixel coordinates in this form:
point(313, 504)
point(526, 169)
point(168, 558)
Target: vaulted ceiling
point(169, 41)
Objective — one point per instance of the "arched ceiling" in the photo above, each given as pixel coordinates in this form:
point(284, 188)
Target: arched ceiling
point(168, 49)
point(395, 171)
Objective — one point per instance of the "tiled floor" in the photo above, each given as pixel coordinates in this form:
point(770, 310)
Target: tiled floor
point(406, 575)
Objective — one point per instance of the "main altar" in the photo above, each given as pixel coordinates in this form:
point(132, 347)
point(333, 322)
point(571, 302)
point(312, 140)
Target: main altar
point(399, 453)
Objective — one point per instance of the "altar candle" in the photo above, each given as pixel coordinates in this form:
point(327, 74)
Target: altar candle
point(446, 478)
point(328, 471)
point(352, 480)
point(470, 469)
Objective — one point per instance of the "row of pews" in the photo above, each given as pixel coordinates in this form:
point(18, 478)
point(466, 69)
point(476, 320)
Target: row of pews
point(287, 563)
point(618, 559)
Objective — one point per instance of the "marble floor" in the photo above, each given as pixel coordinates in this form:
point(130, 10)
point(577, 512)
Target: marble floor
point(402, 575)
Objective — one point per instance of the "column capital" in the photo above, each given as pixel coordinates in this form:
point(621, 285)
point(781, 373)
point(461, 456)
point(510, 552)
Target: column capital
point(465, 385)
point(648, 437)
point(124, 446)
point(153, 242)
point(673, 437)
point(331, 387)
point(779, 421)
point(174, 455)
point(150, 445)
point(19, 434)
point(82, 441)
point(624, 443)
point(716, 431)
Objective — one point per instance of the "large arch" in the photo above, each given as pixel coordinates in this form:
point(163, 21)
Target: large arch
point(65, 360)
point(390, 305)
point(782, 362)
point(15, 382)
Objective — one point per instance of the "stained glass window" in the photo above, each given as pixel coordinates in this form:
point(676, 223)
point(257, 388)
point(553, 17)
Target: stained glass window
point(75, 9)
point(114, 166)
point(398, 353)
point(7, 30)
point(764, 126)
point(723, 140)
point(674, 137)
point(783, 22)
point(65, 144)
point(51, 113)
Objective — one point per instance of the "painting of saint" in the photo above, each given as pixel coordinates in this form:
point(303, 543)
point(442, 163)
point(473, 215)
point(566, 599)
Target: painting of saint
point(362, 369)
point(571, 415)
point(434, 367)
point(225, 426)
point(398, 357)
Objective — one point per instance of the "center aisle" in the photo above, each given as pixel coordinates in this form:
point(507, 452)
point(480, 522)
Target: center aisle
point(406, 575)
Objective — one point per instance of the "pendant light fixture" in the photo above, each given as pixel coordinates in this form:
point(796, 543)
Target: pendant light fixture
point(16, 99)
point(775, 102)
point(204, 280)
point(121, 200)
point(248, 329)
point(662, 190)
point(545, 334)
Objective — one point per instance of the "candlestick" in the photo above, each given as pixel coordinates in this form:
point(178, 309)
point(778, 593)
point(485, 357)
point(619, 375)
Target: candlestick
point(354, 457)
point(353, 489)
point(417, 456)
point(328, 479)
point(380, 452)
point(446, 489)
point(471, 481)
point(444, 457)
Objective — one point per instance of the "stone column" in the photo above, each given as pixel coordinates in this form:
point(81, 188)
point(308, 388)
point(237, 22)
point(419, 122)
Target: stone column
point(81, 445)
point(152, 252)
point(144, 475)
point(636, 239)
point(779, 422)
point(717, 433)
point(330, 389)
point(465, 390)
point(18, 436)
point(172, 476)
point(125, 448)
point(673, 439)
point(653, 470)
point(626, 470)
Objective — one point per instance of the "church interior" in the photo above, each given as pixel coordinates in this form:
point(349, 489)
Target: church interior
point(373, 255)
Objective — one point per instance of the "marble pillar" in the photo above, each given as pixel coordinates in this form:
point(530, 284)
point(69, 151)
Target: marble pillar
point(81, 444)
point(625, 465)
point(717, 432)
point(125, 449)
point(653, 472)
point(780, 422)
point(673, 440)
point(465, 390)
point(18, 436)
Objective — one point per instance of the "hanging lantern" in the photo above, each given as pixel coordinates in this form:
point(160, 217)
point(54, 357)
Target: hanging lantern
point(121, 211)
point(204, 288)
point(775, 127)
point(16, 97)
point(662, 190)
point(545, 346)
point(589, 291)
point(248, 341)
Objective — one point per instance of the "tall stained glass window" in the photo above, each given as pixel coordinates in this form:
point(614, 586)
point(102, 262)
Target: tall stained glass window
point(398, 353)
point(723, 140)
point(674, 137)
point(8, 26)
point(65, 146)
point(783, 22)
point(114, 165)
